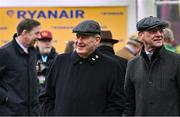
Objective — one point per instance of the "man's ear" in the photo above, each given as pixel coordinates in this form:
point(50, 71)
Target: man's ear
point(140, 35)
point(24, 32)
point(98, 39)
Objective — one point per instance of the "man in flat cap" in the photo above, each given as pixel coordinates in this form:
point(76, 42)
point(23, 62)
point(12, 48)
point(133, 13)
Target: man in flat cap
point(84, 82)
point(152, 83)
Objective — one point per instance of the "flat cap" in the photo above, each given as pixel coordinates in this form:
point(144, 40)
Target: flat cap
point(87, 27)
point(150, 23)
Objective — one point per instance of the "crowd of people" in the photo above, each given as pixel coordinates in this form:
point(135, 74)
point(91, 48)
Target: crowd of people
point(90, 78)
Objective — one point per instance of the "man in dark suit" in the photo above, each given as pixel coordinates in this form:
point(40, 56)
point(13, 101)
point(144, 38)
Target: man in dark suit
point(106, 47)
point(18, 81)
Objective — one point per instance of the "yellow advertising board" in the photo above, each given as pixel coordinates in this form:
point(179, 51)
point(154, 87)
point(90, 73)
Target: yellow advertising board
point(61, 20)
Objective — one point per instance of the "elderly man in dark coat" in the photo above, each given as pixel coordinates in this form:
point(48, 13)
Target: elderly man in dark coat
point(84, 82)
point(152, 81)
point(18, 82)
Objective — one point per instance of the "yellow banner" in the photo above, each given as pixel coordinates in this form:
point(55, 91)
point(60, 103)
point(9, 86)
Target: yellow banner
point(61, 20)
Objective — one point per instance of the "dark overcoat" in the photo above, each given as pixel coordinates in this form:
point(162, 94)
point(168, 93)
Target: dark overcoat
point(153, 87)
point(109, 51)
point(76, 86)
point(18, 82)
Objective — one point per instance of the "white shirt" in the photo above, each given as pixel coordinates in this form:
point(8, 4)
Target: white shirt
point(148, 52)
point(19, 43)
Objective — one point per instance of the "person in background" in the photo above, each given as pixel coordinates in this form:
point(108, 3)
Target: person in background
point(106, 47)
point(84, 82)
point(69, 46)
point(152, 82)
point(18, 80)
point(132, 48)
point(168, 40)
point(45, 53)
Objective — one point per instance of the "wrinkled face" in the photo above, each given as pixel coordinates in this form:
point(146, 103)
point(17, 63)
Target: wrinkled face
point(153, 38)
point(85, 45)
point(31, 36)
point(44, 46)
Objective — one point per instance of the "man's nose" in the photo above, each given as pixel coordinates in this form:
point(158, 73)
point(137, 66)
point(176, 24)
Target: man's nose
point(79, 39)
point(159, 32)
point(38, 36)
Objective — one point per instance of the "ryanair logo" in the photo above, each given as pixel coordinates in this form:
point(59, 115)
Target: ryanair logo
point(49, 14)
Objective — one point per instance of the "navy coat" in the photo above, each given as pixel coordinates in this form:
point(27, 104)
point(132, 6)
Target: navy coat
point(18, 82)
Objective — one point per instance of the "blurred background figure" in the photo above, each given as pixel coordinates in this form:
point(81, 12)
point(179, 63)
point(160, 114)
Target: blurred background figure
point(45, 53)
point(132, 48)
point(169, 39)
point(178, 49)
point(69, 46)
point(106, 47)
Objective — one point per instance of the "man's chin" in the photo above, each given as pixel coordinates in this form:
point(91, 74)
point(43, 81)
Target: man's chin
point(158, 45)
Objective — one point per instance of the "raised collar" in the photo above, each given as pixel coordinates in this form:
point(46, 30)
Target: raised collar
point(92, 59)
point(18, 42)
point(106, 49)
point(156, 54)
point(17, 46)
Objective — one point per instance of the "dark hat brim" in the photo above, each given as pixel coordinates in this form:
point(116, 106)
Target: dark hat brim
point(110, 40)
point(86, 33)
point(161, 25)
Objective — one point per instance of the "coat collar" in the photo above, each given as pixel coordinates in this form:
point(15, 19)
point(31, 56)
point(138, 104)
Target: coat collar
point(92, 59)
point(19, 49)
point(158, 53)
point(105, 49)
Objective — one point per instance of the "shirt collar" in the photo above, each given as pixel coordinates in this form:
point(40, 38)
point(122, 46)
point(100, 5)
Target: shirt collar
point(148, 52)
point(156, 54)
point(19, 43)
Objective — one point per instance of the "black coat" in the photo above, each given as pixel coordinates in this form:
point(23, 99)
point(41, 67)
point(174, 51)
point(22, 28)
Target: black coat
point(106, 50)
point(153, 88)
point(77, 86)
point(50, 57)
point(18, 82)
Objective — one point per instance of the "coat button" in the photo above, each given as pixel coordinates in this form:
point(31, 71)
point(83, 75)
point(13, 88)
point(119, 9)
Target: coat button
point(93, 59)
point(80, 62)
point(151, 102)
point(150, 82)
